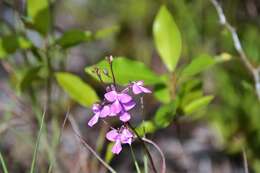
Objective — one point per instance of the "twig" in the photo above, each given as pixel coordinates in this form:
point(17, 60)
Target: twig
point(163, 169)
point(245, 160)
point(253, 71)
point(85, 144)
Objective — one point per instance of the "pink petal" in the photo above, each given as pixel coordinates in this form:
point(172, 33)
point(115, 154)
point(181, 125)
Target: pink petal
point(126, 137)
point(125, 117)
point(136, 89)
point(111, 96)
point(145, 90)
point(93, 120)
point(128, 106)
point(117, 147)
point(140, 83)
point(124, 98)
point(105, 111)
point(115, 108)
point(112, 135)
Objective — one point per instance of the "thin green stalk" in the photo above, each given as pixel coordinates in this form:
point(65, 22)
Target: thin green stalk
point(163, 164)
point(144, 147)
point(59, 139)
point(37, 144)
point(3, 163)
point(135, 161)
point(99, 146)
point(145, 164)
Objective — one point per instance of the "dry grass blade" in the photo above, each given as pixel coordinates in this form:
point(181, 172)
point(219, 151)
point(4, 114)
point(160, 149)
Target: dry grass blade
point(86, 145)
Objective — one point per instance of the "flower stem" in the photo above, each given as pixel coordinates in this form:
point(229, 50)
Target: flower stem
point(144, 146)
point(112, 72)
point(135, 161)
point(163, 169)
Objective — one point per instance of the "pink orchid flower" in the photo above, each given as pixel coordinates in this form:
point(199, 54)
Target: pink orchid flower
point(99, 112)
point(120, 104)
point(119, 137)
point(138, 88)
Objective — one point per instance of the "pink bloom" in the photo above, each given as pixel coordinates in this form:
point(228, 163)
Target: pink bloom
point(138, 88)
point(99, 112)
point(120, 104)
point(119, 137)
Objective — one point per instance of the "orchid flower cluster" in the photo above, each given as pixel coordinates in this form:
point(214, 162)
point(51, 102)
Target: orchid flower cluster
point(118, 104)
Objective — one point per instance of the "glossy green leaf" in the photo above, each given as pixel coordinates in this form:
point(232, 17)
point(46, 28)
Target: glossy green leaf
point(197, 104)
point(39, 14)
point(165, 114)
point(77, 89)
point(167, 38)
point(198, 65)
point(145, 127)
point(125, 70)
point(10, 43)
point(73, 37)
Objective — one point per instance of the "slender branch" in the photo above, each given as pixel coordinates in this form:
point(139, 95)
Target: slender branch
point(237, 43)
point(163, 168)
point(245, 161)
point(86, 145)
point(144, 146)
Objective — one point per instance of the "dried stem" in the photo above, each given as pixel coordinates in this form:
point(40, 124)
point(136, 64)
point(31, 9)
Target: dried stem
point(253, 71)
point(86, 145)
point(163, 169)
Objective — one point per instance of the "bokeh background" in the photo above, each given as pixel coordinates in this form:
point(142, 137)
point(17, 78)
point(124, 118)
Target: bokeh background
point(211, 140)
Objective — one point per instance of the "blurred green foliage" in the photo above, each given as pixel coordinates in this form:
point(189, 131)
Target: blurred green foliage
point(186, 35)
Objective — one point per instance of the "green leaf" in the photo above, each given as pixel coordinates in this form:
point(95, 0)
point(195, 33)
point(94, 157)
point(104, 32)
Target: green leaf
point(73, 37)
point(145, 127)
point(165, 114)
point(162, 93)
point(197, 104)
point(198, 65)
point(30, 75)
point(77, 89)
point(10, 43)
point(125, 70)
point(39, 14)
point(103, 33)
point(167, 38)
